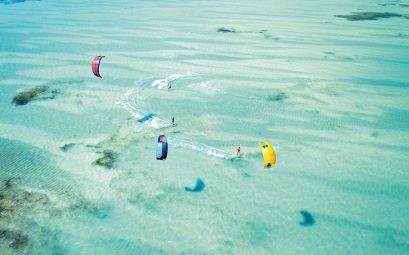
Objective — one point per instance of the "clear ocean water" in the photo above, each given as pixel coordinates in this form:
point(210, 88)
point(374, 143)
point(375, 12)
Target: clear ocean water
point(78, 173)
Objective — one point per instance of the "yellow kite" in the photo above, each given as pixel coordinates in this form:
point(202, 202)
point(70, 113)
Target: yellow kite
point(268, 154)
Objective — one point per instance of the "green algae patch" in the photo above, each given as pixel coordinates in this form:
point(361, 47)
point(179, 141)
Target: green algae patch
point(226, 30)
point(36, 93)
point(356, 16)
point(108, 159)
point(277, 97)
point(15, 239)
point(13, 203)
point(67, 147)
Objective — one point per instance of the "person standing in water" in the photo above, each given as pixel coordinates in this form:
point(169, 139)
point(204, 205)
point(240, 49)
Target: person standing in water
point(238, 152)
point(173, 120)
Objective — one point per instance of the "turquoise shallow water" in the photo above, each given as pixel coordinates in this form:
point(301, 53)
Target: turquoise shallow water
point(330, 94)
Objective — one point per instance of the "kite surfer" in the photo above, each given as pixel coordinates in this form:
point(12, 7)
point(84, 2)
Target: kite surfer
point(238, 151)
point(173, 120)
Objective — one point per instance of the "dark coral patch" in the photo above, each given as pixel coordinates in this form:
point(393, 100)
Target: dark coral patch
point(356, 16)
point(15, 239)
point(13, 200)
point(226, 30)
point(67, 147)
point(387, 4)
point(13, 1)
point(108, 159)
point(36, 93)
point(278, 97)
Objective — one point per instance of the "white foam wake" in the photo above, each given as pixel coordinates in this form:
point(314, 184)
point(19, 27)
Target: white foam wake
point(208, 150)
point(166, 83)
point(128, 102)
point(207, 86)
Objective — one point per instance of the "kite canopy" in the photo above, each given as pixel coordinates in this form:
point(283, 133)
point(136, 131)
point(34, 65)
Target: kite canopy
point(162, 148)
point(95, 65)
point(268, 154)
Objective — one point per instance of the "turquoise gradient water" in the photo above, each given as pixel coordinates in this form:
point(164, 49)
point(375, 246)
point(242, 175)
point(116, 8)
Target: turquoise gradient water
point(331, 95)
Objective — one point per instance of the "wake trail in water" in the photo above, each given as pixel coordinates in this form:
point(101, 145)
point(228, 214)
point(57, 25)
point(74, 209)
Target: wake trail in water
point(166, 83)
point(129, 103)
point(131, 100)
point(200, 147)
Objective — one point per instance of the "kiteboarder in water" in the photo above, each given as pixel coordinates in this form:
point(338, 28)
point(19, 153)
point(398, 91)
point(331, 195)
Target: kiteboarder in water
point(238, 152)
point(173, 120)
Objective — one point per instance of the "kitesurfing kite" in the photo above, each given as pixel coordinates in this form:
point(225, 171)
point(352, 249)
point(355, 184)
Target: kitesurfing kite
point(162, 149)
point(95, 65)
point(269, 154)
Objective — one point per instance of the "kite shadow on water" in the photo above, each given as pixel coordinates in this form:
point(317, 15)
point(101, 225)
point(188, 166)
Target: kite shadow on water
point(200, 185)
point(308, 219)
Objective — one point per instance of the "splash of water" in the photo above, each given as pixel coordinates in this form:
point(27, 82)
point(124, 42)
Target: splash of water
point(166, 83)
point(129, 103)
point(200, 147)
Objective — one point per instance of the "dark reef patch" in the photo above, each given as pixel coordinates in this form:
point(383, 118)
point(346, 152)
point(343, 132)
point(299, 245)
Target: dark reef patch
point(15, 239)
point(387, 4)
point(14, 203)
point(21, 233)
point(36, 93)
point(34, 193)
point(264, 32)
point(93, 146)
point(67, 147)
point(14, 1)
point(308, 219)
point(331, 55)
point(394, 4)
point(356, 16)
point(14, 200)
point(200, 185)
point(278, 97)
point(226, 30)
point(108, 159)
point(402, 35)
point(8, 183)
